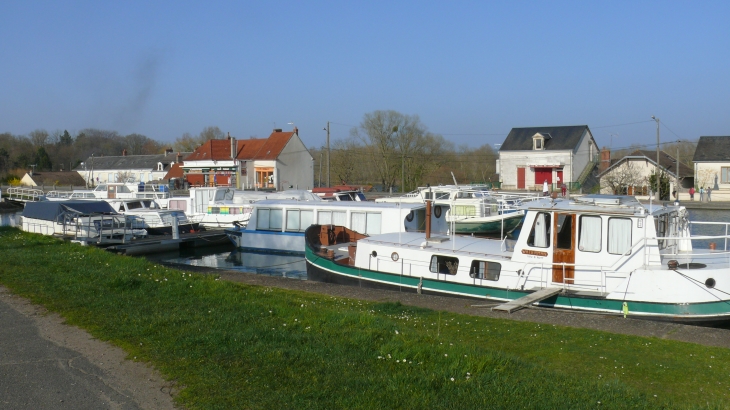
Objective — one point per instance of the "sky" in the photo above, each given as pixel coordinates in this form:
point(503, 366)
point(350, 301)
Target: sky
point(471, 70)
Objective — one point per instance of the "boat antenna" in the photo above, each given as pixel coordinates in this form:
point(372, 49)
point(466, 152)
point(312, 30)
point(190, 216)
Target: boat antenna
point(454, 178)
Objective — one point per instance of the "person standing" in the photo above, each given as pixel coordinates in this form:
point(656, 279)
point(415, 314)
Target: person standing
point(692, 193)
point(563, 189)
point(545, 188)
point(702, 194)
point(709, 191)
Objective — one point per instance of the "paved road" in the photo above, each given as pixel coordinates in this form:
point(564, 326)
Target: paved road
point(45, 364)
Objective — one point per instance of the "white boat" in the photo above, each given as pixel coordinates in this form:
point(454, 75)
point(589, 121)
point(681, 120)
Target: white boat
point(155, 220)
point(88, 221)
point(598, 253)
point(225, 207)
point(471, 209)
point(279, 225)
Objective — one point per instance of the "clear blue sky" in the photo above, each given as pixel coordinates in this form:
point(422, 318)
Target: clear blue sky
point(470, 70)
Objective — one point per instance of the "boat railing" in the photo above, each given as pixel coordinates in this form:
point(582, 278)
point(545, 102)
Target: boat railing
point(587, 281)
point(25, 194)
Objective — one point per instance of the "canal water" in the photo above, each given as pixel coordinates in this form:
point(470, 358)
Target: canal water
point(227, 257)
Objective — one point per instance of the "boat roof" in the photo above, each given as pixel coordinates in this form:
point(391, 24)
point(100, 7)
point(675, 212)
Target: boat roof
point(452, 245)
point(596, 203)
point(334, 204)
point(50, 210)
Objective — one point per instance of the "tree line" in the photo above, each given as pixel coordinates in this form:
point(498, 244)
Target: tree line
point(61, 151)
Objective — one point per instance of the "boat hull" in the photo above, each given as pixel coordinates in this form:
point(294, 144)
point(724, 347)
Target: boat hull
point(490, 226)
point(325, 269)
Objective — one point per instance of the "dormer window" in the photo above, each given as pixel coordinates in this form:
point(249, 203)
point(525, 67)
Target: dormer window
point(538, 141)
point(159, 166)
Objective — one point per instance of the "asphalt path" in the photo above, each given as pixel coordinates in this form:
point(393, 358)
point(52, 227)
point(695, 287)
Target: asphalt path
point(45, 364)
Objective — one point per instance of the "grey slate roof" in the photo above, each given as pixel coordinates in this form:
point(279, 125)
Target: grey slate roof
point(561, 138)
point(710, 149)
point(127, 162)
point(57, 178)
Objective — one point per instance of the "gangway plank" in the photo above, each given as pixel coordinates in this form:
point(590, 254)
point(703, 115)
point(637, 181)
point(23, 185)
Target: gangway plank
point(528, 299)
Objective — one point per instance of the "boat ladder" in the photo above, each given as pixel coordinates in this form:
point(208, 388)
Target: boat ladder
point(528, 299)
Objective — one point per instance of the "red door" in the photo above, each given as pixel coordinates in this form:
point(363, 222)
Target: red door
point(542, 175)
point(520, 178)
point(560, 178)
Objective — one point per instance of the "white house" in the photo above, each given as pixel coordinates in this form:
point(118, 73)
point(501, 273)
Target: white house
point(136, 168)
point(279, 162)
point(712, 163)
point(530, 156)
point(630, 175)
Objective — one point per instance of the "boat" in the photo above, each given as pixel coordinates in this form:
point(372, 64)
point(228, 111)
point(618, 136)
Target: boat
point(598, 253)
point(337, 194)
point(471, 209)
point(277, 226)
point(86, 221)
point(155, 220)
point(221, 207)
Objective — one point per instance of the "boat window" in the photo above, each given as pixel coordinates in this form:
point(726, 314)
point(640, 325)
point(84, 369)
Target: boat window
point(339, 218)
point(292, 220)
point(540, 233)
point(365, 222)
point(485, 270)
point(306, 219)
point(324, 217)
point(262, 218)
point(590, 234)
point(619, 235)
point(178, 204)
point(360, 196)
point(123, 189)
point(275, 219)
point(344, 197)
point(134, 205)
point(444, 264)
point(465, 210)
point(564, 238)
point(442, 195)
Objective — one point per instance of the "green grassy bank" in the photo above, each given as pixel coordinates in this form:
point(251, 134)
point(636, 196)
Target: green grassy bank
point(229, 345)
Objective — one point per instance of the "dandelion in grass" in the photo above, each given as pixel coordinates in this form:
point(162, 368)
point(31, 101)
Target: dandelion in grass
point(452, 379)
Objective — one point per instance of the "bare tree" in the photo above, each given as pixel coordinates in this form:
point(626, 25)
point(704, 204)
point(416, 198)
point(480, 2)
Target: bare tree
point(39, 137)
point(623, 176)
point(189, 143)
point(345, 161)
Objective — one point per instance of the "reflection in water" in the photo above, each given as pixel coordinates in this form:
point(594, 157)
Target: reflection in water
point(226, 257)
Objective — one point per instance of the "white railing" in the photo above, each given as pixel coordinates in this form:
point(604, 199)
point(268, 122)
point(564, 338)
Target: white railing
point(25, 194)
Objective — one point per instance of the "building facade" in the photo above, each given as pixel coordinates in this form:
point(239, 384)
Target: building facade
point(529, 157)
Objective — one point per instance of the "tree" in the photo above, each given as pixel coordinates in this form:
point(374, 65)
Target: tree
point(391, 139)
point(663, 180)
point(188, 143)
point(621, 177)
point(137, 144)
point(66, 138)
point(344, 161)
point(42, 160)
point(39, 137)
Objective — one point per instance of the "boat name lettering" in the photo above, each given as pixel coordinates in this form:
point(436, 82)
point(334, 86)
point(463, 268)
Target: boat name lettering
point(536, 253)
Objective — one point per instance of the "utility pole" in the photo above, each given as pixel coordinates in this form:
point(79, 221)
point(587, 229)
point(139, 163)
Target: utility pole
point(658, 167)
point(320, 170)
point(328, 154)
point(676, 176)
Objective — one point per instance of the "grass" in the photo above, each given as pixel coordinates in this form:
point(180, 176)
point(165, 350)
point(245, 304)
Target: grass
point(230, 345)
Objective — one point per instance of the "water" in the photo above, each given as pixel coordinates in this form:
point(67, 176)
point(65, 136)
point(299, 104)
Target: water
point(228, 258)
point(290, 266)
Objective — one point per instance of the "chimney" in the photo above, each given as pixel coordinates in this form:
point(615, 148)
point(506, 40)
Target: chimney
point(605, 159)
point(168, 151)
point(178, 159)
point(124, 152)
point(233, 146)
point(277, 129)
point(296, 130)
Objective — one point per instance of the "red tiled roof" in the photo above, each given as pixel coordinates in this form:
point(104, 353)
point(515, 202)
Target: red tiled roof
point(250, 149)
point(176, 171)
point(274, 145)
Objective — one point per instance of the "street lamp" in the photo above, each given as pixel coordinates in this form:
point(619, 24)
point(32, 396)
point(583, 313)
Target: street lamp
point(658, 177)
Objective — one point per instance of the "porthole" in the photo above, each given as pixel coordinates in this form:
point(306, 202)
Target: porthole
point(437, 211)
point(710, 283)
point(374, 254)
point(394, 256)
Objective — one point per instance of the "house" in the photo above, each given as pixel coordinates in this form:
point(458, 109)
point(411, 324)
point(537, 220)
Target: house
point(278, 162)
point(135, 168)
point(530, 156)
point(630, 175)
point(52, 179)
point(712, 163)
